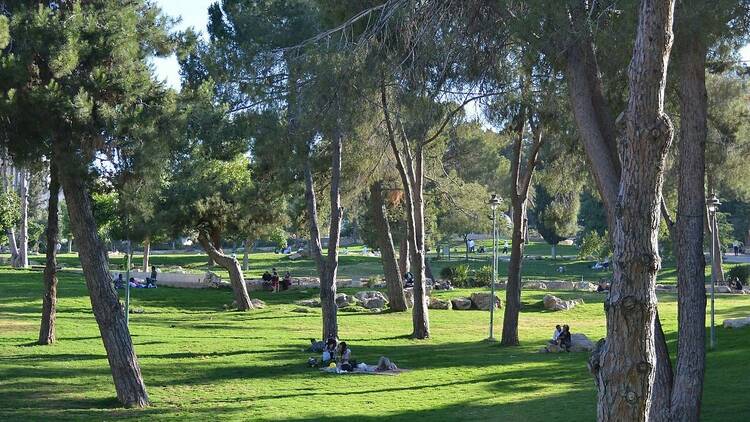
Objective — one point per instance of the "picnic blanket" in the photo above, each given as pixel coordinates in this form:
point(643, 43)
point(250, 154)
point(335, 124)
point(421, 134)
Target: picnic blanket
point(358, 371)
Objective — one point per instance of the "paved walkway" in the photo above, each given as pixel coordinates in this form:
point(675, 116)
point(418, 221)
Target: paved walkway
point(730, 257)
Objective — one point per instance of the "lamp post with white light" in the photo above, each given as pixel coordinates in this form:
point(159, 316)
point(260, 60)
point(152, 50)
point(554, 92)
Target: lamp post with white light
point(712, 204)
point(494, 202)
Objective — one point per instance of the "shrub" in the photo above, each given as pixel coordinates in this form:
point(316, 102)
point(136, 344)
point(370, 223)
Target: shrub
point(742, 272)
point(446, 273)
point(483, 276)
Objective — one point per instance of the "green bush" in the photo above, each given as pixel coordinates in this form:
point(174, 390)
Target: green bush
point(742, 272)
point(446, 273)
point(483, 276)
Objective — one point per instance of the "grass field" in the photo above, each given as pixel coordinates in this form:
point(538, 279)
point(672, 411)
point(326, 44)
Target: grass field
point(201, 362)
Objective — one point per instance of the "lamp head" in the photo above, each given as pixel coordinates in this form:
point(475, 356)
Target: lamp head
point(494, 201)
point(712, 202)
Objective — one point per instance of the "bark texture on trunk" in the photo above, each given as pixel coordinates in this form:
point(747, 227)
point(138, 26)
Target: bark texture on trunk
point(230, 264)
point(519, 195)
point(691, 209)
point(126, 373)
point(396, 297)
point(410, 169)
point(663, 380)
point(625, 376)
point(49, 299)
point(146, 254)
point(403, 255)
point(328, 266)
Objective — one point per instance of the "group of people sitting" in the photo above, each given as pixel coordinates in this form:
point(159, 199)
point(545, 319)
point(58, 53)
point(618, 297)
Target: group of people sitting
point(275, 284)
point(337, 356)
point(150, 282)
point(561, 337)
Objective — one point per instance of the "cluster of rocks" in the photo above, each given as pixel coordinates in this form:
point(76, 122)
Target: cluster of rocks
point(584, 286)
point(578, 343)
point(373, 300)
point(554, 303)
point(482, 301)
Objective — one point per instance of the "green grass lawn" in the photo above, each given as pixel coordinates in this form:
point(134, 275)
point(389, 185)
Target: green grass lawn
point(201, 362)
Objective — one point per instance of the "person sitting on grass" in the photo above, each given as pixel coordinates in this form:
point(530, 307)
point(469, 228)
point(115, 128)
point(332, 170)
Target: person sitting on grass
point(564, 341)
point(119, 282)
point(287, 281)
point(329, 352)
point(267, 280)
point(345, 354)
point(556, 334)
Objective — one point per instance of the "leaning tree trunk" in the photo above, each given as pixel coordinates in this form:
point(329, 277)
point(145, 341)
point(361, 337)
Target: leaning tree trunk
point(625, 376)
point(23, 227)
point(230, 264)
point(146, 253)
point(49, 299)
point(126, 373)
point(513, 288)
point(691, 298)
point(396, 298)
point(403, 255)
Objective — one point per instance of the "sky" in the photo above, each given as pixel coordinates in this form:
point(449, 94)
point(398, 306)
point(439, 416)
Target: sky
point(194, 13)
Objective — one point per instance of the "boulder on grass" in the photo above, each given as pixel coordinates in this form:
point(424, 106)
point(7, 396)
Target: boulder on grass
point(585, 286)
point(343, 300)
point(312, 303)
point(535, 285)
point(374, 303)
point(580, 343)
point(554, 303)
point(435, 303)
point(483, 301)
point(736, 322)
point(369, 294)
point(461, 303)
point(257, 303)
point(302, 310)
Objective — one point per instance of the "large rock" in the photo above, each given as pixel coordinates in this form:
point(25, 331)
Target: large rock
point(483, 301)
point(580, 343)
point(535, 285)
point(559, 285)
point(295, 256)
point(343, 300)
point(554, 303)
point(257, 303)
point(461, 303)
point(736, 322)
point(435, 303)
point(312, 303)
point(585, 286)
point(374, 303)
point(370, 294)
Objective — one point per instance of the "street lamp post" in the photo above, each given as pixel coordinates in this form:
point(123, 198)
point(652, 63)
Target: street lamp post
point(493, 203)
point(712, 203)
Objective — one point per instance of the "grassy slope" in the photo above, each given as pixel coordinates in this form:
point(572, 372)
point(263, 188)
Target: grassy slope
point(203, 363)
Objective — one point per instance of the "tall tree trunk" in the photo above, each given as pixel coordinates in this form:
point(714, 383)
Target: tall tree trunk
point(597, 128)
point(403, 255)
point(396, 298)
point(13, 247)
point(327, 281)
point(625, 376)
point(466, 244)
point(410, 170)
point(49, 299)
point(513, 288)
point(420, 316)
point(70, 245)
point(231, 265)
point(246, 255)
point(663, 380)
point(23, 227)
point(519, 194)
point(146, 253)
point(691, 293)
point(126, 373)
